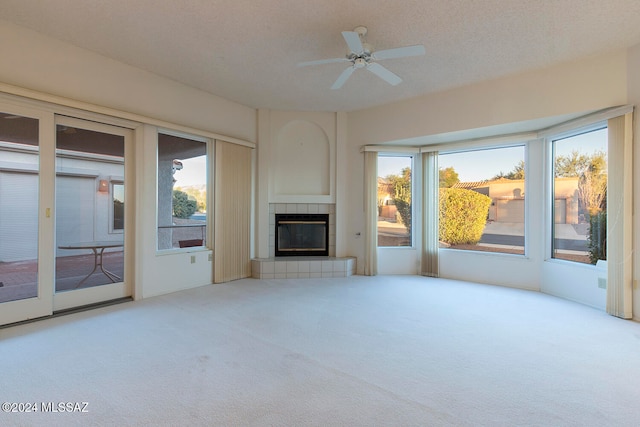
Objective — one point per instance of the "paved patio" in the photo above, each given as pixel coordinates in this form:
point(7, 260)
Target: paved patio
point(18, 280)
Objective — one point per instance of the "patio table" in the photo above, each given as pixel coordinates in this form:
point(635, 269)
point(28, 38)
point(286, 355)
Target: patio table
point(98, 249)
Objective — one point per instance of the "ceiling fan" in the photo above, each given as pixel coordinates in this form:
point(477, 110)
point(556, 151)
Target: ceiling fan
point(362, 55)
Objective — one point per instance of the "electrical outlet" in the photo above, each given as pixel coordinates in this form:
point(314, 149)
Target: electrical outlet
point(193, 259)
point(602, 283)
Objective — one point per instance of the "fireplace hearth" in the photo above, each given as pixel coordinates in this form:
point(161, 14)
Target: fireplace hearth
point(301, 235)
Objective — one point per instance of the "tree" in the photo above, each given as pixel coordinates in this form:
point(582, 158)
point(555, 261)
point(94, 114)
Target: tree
point(516, 173)
point(183, 207)
point(572, 165)
point(592, 191)
point(591, 171)
point(401, 185)
point(197, 194)
point(448, 177)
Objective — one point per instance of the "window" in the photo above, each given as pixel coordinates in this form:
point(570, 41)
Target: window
point(19, 206)
point(482, 200)
point(394, 200)
point(117, 195)
point(182, 192)
point(580, 193)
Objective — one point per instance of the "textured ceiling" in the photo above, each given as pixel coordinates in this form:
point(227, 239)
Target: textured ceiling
point(247, 50)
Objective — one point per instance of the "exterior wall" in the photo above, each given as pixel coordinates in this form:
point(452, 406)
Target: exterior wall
point(566, 191)
point(508, 198)
point(95, 223)
point(511, 189)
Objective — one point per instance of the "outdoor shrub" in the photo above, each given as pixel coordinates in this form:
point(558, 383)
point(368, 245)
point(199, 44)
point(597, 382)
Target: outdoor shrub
point(463, 215)
point(598, 237)
point(404, 209)
point(183, 207)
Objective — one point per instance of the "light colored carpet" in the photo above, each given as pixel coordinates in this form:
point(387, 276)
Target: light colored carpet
point(386, 350)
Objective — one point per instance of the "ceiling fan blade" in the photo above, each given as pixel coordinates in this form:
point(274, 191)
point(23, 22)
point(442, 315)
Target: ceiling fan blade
point(353, 41)
point(343, 78)
point(399, 52)
point(322, 61)
point(384, 74)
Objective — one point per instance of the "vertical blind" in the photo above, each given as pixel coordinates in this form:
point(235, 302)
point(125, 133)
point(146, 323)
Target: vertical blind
point(232, 229)
point(371, 213)
point(430, 214)
point(619, 216)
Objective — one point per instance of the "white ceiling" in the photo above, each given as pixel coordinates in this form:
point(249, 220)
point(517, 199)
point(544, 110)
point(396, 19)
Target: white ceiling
point(247, 50)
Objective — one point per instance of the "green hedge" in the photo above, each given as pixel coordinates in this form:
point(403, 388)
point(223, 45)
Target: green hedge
point(404, 209)
point(598, 237)
point(463, 215)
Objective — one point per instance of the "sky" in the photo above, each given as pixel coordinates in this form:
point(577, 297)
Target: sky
point(193, 172)
point(471, 165)
point(479, 165)
point(482, 164)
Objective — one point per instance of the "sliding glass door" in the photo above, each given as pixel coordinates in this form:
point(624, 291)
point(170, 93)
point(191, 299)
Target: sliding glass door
point(91, 189)
point(26, 197)
point(64, 205)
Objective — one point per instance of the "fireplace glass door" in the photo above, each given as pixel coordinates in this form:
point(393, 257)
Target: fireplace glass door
point(302, 235)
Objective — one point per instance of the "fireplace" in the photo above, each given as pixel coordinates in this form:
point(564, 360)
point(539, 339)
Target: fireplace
point(302, 235)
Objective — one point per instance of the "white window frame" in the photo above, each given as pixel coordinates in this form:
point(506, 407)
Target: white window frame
point(412, 156)
point(209, 152)
point(494, 144)
point(550, 138)
point(113, 182)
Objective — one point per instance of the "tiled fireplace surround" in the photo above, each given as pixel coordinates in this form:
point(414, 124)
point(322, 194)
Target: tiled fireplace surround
point(296, 267)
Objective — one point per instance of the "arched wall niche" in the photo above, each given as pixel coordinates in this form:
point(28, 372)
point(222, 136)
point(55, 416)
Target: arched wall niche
point(302, 157)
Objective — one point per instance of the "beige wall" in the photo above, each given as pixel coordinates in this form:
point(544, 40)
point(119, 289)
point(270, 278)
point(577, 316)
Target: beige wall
point(296, 163)
point(575, 87)
point(43, 64)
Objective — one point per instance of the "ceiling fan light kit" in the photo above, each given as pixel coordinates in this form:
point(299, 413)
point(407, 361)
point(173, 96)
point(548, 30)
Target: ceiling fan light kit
point(362, 55)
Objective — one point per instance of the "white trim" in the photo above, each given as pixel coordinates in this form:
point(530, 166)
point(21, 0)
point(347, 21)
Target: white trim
point(80, 155)
point(508, 139)
point(398, 149)
point(18, 167)
point(182, 134)
point(481, 143)
point(462, 145)
point(18, 147)
point(587, 121)
point(83, 110)
point(87, 173)
point(571, 132)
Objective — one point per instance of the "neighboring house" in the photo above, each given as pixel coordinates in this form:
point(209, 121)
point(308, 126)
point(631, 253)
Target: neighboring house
point(84, 208)
point(508, 195)
point(386, 207)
